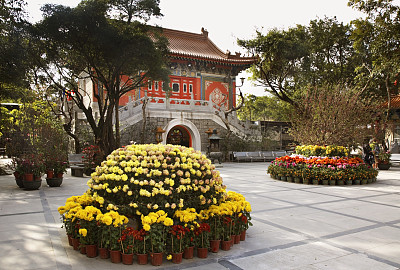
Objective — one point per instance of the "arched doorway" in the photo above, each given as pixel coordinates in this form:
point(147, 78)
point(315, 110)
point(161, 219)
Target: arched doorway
point(179, 135)
point(189, 127)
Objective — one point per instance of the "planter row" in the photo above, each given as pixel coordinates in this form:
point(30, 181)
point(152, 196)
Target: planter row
point(326, 182)
point(155, 259)
point(27, 181)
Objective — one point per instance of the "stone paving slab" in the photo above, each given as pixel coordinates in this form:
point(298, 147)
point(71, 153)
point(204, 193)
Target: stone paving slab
point(295, 226)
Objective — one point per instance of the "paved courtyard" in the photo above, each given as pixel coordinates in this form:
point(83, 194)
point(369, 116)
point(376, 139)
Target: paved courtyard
point(295, 226)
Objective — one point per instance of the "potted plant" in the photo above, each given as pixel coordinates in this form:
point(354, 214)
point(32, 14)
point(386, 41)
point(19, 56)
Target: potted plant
point(16, 165)
point(127, 241)
point(384, 160)
point(141, 247)
point(216, 231)
point(177, 234)
point(88, 232)
point(202, 239)
point(31, 165)
point(111, 233)
point(227, 232)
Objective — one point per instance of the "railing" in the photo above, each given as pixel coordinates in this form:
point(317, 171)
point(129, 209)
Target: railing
point(165, 104)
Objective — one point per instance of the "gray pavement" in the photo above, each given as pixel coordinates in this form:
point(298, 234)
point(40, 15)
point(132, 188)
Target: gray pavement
point(295, 226)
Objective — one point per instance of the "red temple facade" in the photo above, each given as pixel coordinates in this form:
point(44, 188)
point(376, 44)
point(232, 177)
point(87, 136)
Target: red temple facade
point(202, 83)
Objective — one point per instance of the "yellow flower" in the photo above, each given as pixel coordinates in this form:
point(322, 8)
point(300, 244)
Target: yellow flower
point(83, 232)
point(146, 227)
point(169, 257)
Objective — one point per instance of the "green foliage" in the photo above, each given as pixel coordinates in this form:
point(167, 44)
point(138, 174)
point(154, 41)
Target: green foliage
point(291, 60)
point(84, 41)
point(35, 129)
point(376, 41)
point(265, 108)
point(334, 116)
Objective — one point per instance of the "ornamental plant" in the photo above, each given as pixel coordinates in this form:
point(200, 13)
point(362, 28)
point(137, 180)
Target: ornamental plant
point(177, 235)
point(142, 244)
point(127, 240)
point(139, 179)
point(201, 234)
point(156, 223)
point(88, 229)
point(322, 168)
point(173, 192)
point(384, 157)
point(92, 157)
point(111, 233)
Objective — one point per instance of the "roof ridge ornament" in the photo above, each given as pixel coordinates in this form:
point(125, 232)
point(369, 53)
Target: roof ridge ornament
point(204, 32)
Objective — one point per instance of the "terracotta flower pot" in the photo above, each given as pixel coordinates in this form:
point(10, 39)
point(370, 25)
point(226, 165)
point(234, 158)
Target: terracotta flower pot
point(156, 258)
point(214, 244)
point(142, 258)
point(50, 174)
point(75, 243)
point(177, 257)
point(236, 239)
point(127, 258)
point(69, 240)
point(115, 256)
point(188, 253)
point(82, 249)
point(28, 177)
point(104, 253)
point(202, 253)
point(91, 251)
point(226, 245)
point(243, 236)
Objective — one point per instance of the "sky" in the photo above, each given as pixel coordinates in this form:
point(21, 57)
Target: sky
point(228, 20)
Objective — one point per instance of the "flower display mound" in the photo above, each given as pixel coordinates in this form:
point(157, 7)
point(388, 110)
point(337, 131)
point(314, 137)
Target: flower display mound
point(322, 169)
point(155, 198)
point(139, 179)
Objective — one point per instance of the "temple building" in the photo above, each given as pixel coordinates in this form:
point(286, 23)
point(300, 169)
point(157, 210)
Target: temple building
point(203, 83)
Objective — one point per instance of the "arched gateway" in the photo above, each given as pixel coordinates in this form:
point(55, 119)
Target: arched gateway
point(182, 132)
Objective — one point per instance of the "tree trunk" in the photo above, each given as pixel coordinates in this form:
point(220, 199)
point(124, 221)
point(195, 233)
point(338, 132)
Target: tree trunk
point(117, 134)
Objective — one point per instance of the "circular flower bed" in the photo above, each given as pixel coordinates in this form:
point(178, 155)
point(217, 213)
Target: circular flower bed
point(322, 170)
point(155, 199)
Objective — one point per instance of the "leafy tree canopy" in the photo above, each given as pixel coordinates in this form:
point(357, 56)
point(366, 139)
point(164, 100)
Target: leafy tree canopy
point(86, 39)
point(291, 60)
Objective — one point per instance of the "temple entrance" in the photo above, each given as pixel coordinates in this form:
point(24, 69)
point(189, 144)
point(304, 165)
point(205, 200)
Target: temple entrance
point(179, 135)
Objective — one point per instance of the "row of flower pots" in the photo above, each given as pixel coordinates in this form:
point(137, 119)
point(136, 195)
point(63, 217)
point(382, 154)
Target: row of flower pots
point(156, 259)
point(33, 182)
point(330, 182)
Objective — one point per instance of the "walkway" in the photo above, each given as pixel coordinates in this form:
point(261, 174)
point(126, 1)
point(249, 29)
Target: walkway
point(295, 226)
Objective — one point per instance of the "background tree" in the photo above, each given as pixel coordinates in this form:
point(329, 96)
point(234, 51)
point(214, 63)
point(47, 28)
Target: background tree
point(294, 59)
point(264, 108)
point(334, 116)
point(14, 62)
point(117, 56)
point(376, 40)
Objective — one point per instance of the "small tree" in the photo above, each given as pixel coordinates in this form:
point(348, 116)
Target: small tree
point(334, 117)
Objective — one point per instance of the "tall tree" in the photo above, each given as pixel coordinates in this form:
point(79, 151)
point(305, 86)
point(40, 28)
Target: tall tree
point(13, 56)
point(291, 60)
point(377, 41)
point(117, 56)
point(334, 117)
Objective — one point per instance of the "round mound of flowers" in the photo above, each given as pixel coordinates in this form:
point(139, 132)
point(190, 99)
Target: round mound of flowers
point(139, 179)
point(154, 199)
point(322, 168)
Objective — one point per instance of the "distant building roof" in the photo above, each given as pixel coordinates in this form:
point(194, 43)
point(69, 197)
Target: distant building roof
point(199, 46)
point(394, 102)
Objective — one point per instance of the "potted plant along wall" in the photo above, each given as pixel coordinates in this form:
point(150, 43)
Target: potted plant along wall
point(384, 160)
point(32, 168)
point(172, 207)
point(39, 135)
